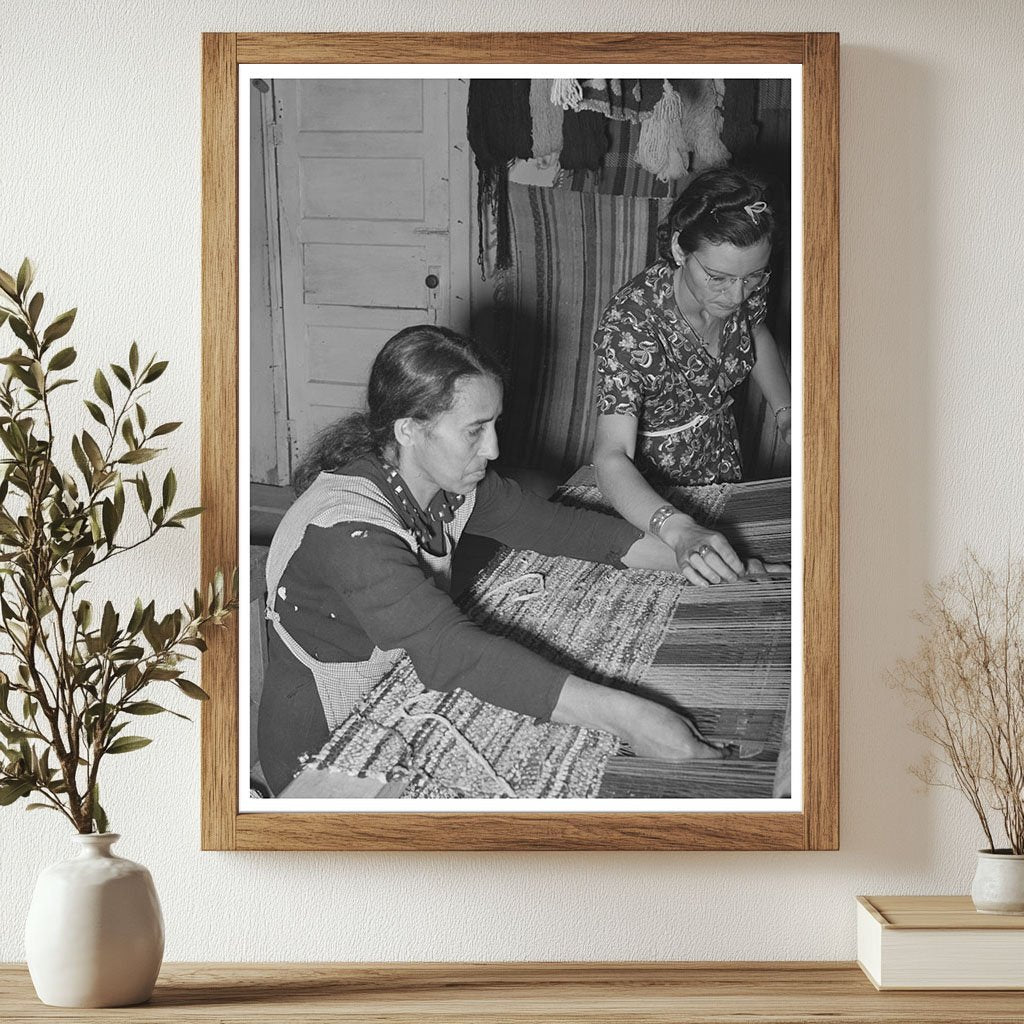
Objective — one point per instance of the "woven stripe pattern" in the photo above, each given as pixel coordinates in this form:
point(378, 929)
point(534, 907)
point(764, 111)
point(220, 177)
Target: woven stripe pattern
point(454, 745)
point(451, 746)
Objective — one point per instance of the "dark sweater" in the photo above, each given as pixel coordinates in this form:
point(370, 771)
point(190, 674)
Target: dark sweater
point(354, 586)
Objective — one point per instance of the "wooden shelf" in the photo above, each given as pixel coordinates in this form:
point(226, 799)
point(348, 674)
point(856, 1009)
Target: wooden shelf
point(657, 993)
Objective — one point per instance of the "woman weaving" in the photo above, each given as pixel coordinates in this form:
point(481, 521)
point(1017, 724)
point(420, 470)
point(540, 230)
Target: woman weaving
point(359, 567)
point(671, 346)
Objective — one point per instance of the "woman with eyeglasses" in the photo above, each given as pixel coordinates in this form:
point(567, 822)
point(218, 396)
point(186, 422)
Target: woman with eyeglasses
point(671, 346)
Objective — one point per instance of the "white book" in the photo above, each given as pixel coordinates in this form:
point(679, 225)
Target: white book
point(938, 942)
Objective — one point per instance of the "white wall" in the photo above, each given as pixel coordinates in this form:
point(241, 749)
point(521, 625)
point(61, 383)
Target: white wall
point(99, 165)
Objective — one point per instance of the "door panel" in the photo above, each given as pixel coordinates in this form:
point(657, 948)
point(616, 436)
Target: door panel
point(364, 205)
point(361, 105)
point(384, 276)
point(361, 188)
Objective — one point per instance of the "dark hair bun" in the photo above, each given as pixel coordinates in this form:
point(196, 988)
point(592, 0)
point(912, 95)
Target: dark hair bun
point(720, 205)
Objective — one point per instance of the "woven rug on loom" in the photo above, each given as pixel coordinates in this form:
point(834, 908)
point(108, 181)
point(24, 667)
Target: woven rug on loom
point(705, 503)
point(451, 745)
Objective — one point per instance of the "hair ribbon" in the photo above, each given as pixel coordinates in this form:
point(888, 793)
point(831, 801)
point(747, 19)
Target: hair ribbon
point(753, 209)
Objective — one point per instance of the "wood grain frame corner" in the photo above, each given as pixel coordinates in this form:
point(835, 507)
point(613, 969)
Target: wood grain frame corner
point(817, 827)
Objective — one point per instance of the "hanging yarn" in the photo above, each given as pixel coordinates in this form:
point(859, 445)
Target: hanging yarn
point(566, 93)
point(656, 151)
point(494, 219)
point(499, 131)
point(703, 121)
point(683, 133)
point(584, 140)
point(546, 119)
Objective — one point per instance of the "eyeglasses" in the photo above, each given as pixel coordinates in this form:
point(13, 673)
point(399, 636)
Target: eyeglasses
point(723, 282)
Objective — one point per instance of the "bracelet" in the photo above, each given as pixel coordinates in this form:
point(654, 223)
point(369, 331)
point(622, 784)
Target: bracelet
point(658, 518)
point(785, 408)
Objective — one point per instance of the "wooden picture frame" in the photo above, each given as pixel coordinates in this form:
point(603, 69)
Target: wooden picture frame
point(816, 826)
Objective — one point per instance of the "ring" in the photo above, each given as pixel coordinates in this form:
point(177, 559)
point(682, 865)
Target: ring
point(704, 549)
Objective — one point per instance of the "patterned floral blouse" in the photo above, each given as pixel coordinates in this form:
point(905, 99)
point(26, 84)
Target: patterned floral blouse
point(651, 365)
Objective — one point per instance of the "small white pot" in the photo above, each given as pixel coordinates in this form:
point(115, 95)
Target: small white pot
point(95, 933)
point(999, 883)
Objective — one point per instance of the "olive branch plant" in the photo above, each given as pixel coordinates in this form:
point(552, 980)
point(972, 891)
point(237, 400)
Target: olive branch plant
point(967, 682)
point(80, 675)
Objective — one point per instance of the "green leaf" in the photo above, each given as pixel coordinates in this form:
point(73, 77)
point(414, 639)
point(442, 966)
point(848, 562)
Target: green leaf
point(109, 519)
point(125, 744)
point(191, 690)
point(26, 274)
point(60, 326)
point(108, 626)
point(185, 513)
point(154, 371)
point(165, 428)
point(92, 449)
point(145, 497)
point(95, 412)
point(121, 374)
point(143, 707)
point(130, 653)
point(139, 455)
point(20, 328)
point(38, 377)
point(140, 415)
point(81, 461)
point(102, 388)
point(128, 433)
point(34, 308)
point(70, 485)
point(12, 733)
point(41, 807)
point(7, 283)
point(170, 488)
point(170, 674)
point(133, 358)
point(99, 816)
point(14, 790)
point(63, 359)
point(135, 622)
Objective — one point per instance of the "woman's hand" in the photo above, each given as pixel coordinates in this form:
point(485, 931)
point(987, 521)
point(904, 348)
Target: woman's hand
point(655, 731)
point(649, 729)
point(704, 556)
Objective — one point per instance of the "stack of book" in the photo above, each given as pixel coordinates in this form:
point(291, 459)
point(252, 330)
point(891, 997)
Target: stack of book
point(938, 942)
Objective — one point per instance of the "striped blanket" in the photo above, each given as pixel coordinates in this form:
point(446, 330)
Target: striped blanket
point(573, 251)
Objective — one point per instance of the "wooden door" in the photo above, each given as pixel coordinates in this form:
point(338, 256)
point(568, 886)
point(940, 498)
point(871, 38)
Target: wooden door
point(368, 241)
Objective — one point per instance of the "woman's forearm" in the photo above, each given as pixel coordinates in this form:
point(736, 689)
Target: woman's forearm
point(768, 372)
point(624, 486)
point(650, 729)
point(679, 537)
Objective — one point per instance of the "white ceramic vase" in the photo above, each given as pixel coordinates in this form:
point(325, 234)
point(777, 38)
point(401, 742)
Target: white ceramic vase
point(95, 933)
point(999, 883)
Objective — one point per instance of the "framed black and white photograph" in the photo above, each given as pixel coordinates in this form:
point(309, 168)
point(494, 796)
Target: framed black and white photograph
point(534, 344)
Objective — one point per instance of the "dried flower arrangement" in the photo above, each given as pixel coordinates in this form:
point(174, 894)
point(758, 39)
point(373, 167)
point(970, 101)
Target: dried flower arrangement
point(967, 679)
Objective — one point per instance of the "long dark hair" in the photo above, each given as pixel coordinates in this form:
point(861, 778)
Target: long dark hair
point(414, 375)
point(713, 208)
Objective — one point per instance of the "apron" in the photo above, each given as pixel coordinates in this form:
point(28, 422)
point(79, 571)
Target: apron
point(333, 499)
